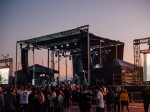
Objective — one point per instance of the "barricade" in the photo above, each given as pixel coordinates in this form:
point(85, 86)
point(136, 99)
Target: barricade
point(135, 97)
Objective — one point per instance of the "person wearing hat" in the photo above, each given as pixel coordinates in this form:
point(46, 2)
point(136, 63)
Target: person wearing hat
point(84, 101)
point(99, 100)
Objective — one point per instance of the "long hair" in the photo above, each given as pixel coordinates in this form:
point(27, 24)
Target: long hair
point(40, 97)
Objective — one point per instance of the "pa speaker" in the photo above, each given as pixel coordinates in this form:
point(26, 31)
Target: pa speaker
point(24, 61)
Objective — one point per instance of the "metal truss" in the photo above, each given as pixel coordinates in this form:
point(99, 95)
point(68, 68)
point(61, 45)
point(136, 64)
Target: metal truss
point(138, 77)
point(6, 60)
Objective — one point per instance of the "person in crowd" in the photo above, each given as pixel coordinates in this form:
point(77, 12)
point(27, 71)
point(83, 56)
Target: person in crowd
point(91, 95)
point(9, 100)
point(52, 97)
point(110, 99)
point(103, 91)
point(46, 93)
point(58, 101)
point(74, 100)
point(117, 99)
point(23, 98)
point(99, 100)
point(1, 99)
point(124, 99)
point(70, 91)
point(146, 98)
point(14, 92)
point(77, 94)
point(67, 96)
point(31, 98)
point(84, 101)
point(39, 101)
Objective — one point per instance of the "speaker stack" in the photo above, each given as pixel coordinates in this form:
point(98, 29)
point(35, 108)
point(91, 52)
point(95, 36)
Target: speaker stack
point(24, 61)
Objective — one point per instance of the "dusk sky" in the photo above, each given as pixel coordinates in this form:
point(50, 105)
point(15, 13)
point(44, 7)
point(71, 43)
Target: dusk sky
point(114, 19)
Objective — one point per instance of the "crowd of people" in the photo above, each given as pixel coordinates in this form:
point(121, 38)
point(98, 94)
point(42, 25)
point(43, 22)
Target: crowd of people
point(59, 99)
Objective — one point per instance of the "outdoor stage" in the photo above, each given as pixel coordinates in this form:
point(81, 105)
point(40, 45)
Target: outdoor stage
point(79, 44)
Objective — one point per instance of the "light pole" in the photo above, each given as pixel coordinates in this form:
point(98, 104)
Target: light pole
point(5, 57)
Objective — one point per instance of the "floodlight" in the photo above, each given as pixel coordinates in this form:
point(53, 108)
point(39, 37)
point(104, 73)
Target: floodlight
point(67, 44)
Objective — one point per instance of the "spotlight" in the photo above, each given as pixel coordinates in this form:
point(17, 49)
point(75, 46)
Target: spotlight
point(49, 48)
point(55, 47)
point(75, 43)
point(96, 54)
point(61, 45)
point(91, 49)
point(67, 44)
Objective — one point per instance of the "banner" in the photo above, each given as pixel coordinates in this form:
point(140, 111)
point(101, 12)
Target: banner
point(4, 74)
point(146, 67)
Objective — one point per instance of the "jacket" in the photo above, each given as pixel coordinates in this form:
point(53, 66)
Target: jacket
point(124, 97)
point(9, 100)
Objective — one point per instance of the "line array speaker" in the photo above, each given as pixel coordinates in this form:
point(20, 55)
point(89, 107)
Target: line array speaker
point(24, 61)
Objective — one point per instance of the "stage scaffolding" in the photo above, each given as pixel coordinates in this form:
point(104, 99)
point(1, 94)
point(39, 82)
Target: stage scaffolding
point(71, 41)
point(138, 72)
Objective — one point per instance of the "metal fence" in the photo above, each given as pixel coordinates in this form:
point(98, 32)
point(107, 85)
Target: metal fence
point(135, 96)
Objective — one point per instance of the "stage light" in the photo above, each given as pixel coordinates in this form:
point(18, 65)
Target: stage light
point(61, 45)
point(75, 43)
point(96, 54)
point(67, 44)
point(55, 47)
point(91, 49)
point(49, 48)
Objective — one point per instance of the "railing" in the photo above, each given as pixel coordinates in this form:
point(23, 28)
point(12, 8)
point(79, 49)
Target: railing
point(135, 96)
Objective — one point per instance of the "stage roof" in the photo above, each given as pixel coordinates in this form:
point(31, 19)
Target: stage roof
point(72, 37)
